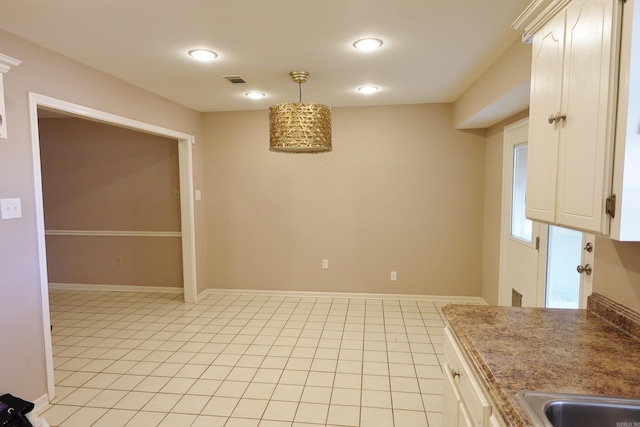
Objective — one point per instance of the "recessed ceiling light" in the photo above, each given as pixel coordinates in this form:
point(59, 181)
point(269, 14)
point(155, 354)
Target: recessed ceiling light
point(368, 90)
point(368, 44)
point(255, 95)
point(203, 54)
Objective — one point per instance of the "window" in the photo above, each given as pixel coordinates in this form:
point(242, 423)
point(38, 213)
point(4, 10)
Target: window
point(521, 227)
point(563, 282)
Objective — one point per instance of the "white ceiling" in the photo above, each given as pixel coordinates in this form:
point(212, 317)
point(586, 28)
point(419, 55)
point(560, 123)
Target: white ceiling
point(433, 49)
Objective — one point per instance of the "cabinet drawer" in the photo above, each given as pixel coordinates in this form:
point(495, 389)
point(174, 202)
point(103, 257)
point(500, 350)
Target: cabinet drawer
point(472, 395)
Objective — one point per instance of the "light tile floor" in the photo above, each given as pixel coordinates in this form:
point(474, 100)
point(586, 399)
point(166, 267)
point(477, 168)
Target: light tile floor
point(140, 359)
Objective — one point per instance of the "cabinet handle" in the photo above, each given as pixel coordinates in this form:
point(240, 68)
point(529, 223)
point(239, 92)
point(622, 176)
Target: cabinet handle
point(586, 269)
point(555, 118)
point(455, 373)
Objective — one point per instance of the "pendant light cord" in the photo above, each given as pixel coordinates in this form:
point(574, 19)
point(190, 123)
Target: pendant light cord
point(300, 91)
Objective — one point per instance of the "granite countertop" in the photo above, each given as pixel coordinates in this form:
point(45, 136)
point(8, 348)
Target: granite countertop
point(589, 351)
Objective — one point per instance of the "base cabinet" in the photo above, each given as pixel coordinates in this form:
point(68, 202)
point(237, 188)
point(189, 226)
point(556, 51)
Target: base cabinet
point(454, 412)
point(465, 401)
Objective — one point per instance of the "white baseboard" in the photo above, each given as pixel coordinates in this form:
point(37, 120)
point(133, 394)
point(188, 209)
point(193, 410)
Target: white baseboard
point(298, 294)
point(41, 404)
point(353, 295)
point(119, 288)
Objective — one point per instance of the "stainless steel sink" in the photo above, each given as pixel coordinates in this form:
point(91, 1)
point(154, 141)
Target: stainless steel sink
point(578, 410)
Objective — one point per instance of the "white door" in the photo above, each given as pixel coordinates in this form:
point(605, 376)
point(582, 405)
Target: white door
point(569, 268)
point(521, 239)
point(538, 263)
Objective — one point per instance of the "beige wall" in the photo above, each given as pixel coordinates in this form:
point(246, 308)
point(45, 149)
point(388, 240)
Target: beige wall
point(22, 371)
point(499, 93)
point(401, 191)
point(99, 177)
point(492, 213)
point(146, 261)
point(616, 271)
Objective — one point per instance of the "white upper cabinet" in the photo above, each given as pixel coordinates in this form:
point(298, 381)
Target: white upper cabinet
point(589, 93)
point(625, 225)
point(572, 115)
point(584, 128)
point(546, 90)
point(6, 62)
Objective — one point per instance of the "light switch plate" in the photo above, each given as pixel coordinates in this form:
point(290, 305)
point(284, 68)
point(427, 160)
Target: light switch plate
point(10, 208)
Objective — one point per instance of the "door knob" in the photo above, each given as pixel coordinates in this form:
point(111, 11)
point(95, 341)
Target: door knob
point(586, 269)
point(589, 247)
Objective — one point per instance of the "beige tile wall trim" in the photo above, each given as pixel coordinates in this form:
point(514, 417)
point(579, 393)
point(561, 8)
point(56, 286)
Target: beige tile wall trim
point(121, 288)
point(470, 300)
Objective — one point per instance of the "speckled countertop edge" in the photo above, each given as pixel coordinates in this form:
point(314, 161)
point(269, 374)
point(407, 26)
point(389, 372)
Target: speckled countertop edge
point(617, 314)
point(590, 334)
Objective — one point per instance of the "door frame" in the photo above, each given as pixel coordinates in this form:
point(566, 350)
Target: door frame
point(586, 281)
point(185, 165)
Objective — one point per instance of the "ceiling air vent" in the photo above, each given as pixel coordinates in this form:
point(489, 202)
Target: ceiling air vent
point(235, 79)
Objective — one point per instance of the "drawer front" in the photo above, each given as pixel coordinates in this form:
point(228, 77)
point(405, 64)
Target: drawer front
point(472, 395)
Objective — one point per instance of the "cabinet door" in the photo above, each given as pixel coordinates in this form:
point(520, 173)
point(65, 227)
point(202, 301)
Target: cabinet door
point(546, 92)
point(450, 399)
point(493, 422)
point(588, 99)
point(464, 420)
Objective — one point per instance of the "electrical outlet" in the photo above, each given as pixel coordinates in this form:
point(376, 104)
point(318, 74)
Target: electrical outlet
point(325, 264)
point(119, 260)
point(11, 208)
point(394, 276)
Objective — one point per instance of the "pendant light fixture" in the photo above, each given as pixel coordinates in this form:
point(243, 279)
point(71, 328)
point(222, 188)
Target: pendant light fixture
point(300, 127)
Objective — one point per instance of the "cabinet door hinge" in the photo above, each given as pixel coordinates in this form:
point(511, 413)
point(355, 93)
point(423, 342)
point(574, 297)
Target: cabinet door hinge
point(537, 243)
point(610, 207)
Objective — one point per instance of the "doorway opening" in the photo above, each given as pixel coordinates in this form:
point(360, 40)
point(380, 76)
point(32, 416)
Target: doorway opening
point(187, 220)
point(111, 206)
